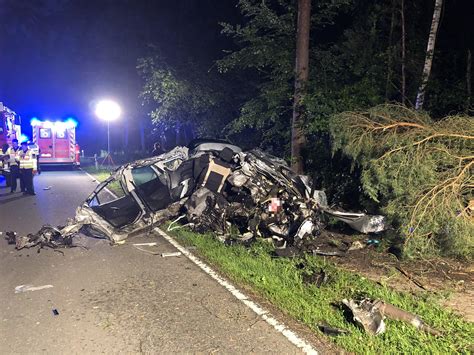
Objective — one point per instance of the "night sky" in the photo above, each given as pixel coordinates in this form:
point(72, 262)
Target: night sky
point(58, 56)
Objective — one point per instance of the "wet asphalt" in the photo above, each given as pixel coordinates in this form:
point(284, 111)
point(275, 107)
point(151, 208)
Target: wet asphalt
point(112, 299)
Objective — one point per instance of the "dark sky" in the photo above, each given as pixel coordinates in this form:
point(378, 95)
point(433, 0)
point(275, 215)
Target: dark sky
point(58, 56)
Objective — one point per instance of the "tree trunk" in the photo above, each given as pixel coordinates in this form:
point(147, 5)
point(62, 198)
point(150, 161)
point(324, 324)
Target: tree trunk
point(468, 80)
point(301, 80)
point(404, 85)
point(125, 135)
point(142, 136)
point(420, 97)
point(390, 53)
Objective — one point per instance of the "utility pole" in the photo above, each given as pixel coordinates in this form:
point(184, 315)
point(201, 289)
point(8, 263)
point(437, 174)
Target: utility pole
point(301, 81)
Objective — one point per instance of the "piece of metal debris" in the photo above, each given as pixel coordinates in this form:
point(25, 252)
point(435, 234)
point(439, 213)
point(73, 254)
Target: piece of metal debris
point(331, 331)
point(367, 314)
point(370, 314)
point(177, 253)
point(47, 188)
point(26, 288)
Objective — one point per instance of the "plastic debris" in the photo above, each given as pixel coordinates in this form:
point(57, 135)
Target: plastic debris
point(177, 253)
point(26, 288)
point(357, 245)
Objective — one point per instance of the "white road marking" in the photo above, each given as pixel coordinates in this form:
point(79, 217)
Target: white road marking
point(265, 315)
point(93, 178)
point(98, 183)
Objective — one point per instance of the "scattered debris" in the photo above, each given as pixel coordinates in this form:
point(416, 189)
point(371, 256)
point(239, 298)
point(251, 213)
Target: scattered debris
point(357, 245)
point(177, 253)
point(374, 242)
point(399, 314)
point(145, 244)
point(47, 236)
point(26, 288)
point(367, 314)
point(316, 278)
point(331, 331)
point(370, 314)
point(327, 253)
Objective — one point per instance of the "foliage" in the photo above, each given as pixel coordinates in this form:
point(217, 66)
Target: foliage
point(418, 170)
point(279, 280)
point(266, 43)
point(184, 94)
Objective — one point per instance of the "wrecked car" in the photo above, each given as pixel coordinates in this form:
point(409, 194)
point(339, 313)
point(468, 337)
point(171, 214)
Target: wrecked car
point(212, 186)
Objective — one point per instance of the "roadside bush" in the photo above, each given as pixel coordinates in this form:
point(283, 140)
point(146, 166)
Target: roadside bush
point(419, 171)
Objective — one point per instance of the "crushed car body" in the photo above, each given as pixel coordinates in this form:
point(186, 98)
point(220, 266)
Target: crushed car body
point(212, 186)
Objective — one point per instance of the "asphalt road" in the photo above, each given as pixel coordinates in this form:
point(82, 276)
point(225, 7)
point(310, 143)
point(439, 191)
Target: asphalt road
point(112, 299)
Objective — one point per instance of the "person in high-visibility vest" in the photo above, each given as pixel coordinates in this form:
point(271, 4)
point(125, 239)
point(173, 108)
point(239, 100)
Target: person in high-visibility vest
point(27, 168)
point(14, 162)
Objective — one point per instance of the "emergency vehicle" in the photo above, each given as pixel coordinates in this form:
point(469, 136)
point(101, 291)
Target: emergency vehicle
point(10, 129)
point(56, 142)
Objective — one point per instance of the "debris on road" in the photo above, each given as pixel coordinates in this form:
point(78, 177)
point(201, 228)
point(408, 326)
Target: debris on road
point(370, 314)
point(47, 188)
point(145, 244)
point(55, 312)
point(26, 288)
point(47, 236)
point(165, 255)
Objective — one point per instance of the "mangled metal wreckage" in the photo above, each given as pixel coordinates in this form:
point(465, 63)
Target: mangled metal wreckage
point(212, 186)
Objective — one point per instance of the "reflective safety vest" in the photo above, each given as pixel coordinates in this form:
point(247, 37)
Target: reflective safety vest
point(14, 155)
point(27, 160)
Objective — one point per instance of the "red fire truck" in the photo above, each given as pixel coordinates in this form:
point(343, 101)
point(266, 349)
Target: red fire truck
point(56, 142)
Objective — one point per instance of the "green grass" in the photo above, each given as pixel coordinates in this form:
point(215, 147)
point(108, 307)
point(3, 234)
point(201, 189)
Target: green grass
point(100, 174)
point(280, 281)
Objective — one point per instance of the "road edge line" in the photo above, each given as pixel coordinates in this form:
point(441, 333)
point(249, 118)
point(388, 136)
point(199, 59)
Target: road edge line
point(93, 178)
point(280, 327)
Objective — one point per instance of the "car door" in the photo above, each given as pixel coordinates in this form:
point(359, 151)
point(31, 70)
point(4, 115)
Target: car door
point(114, 205)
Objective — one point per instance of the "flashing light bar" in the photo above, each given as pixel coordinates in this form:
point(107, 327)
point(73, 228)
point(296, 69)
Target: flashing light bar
point(69, 123)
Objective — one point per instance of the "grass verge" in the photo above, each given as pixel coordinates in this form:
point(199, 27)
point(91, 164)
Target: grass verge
point(279, 280)
point(100, 174)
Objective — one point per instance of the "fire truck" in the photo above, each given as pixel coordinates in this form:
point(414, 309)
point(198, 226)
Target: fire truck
point(10, 129)
point(56, 142)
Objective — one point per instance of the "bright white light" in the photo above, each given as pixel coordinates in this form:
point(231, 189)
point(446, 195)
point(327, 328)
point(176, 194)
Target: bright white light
point(108, 110)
